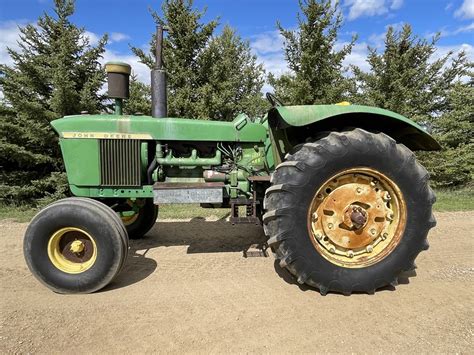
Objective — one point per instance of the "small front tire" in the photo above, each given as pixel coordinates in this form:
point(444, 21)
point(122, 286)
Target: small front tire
point(75, 246)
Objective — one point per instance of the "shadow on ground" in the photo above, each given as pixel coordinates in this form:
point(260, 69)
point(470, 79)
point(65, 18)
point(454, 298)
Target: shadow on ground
point(202, 236)
point(199, 235)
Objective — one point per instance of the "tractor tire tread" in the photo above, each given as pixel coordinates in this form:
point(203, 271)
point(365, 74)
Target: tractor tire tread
point(36, 236)
point(291, 175)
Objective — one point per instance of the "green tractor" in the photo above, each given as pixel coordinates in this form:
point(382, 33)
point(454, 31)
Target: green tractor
point(342, 199)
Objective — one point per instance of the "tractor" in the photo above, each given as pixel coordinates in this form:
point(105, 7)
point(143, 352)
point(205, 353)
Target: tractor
point(343, 201)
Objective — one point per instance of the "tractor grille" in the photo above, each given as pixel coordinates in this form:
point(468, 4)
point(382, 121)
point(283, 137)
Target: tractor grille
point(120, 162)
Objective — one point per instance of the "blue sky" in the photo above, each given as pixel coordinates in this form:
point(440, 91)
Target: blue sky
point(129, 22)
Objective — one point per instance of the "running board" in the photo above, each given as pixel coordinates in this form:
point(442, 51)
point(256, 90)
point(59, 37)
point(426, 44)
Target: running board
point(176, 192)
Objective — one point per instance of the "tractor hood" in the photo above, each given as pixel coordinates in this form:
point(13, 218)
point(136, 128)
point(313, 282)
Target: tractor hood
point(151, 128)
point(391, 123)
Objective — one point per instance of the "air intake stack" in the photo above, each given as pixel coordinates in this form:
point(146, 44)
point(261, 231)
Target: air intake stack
point(159, 98)
point(118, 81)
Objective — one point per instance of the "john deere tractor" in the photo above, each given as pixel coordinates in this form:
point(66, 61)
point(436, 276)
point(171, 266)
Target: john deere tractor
point(342, 199)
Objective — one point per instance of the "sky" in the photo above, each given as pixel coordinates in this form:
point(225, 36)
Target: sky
point(128, 22)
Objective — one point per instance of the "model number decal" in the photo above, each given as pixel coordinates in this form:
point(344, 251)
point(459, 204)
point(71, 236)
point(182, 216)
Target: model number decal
point(104, 135)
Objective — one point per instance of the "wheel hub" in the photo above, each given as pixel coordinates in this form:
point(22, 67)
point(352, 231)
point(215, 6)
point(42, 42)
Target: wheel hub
point(77, 246)
point(353, 219)
point(72, 250)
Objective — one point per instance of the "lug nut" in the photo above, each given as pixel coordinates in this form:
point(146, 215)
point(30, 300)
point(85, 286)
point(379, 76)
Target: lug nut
point(350, 254)
point(330, 225)
point(386, 196)
point(359, 190)
point(332, 249)
point(318, 236)
point(369, 249)
point(315, 216)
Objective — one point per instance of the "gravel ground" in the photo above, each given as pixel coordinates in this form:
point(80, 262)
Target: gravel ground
point(188, 288)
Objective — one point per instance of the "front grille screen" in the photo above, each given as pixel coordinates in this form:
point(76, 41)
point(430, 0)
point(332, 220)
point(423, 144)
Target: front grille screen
point(120, 162)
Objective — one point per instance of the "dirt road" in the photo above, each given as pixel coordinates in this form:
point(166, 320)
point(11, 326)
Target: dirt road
point(188, 288)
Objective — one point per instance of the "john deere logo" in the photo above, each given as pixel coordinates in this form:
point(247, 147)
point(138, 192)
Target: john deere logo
point(105, 135)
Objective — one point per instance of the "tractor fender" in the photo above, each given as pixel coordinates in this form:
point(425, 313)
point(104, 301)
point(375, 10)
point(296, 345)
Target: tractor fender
point(297, 120)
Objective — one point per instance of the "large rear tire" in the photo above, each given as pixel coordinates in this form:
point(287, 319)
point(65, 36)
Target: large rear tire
point(75, 245)
point(349, 212)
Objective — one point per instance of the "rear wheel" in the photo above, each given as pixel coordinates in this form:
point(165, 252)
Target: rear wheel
point(75, 246)
point(349, 212)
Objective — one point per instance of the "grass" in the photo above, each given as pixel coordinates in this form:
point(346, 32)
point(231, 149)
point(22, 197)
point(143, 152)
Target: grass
point(26, 213)
point(191, 211)
point(447, 200)
point(17, 213)
point(454, 200)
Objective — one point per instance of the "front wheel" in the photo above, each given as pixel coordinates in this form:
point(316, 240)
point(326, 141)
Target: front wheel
point(75, 245)
point(140, 218)
point(349, 212)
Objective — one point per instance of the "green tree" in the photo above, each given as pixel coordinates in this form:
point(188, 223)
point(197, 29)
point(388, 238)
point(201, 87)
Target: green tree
point(140, 98)
point(55, 73)
point(208, 76)
point(453, 166)
point(407, 78)
point(316, 66)
point(230, 79)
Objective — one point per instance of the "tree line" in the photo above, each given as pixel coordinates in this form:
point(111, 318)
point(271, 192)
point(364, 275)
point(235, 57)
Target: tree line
point(214, 75)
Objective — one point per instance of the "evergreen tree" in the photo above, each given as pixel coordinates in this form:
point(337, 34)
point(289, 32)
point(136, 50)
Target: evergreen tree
point(140, 98)
point(55, 73)
point(316, 68)
point(406, 78)
point(186, 39)
point(230, 79)
point(200, 76)
point(453, 166)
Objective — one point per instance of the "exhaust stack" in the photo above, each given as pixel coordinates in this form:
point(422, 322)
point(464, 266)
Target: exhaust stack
point(159, 100)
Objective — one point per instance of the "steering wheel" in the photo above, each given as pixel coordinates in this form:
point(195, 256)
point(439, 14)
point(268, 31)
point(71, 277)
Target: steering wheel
point(274, 101)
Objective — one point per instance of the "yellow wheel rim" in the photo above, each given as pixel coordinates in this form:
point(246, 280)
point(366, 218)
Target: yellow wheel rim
point(129, 217)
point(357, 218)
point(72, 250)
point(128, 220)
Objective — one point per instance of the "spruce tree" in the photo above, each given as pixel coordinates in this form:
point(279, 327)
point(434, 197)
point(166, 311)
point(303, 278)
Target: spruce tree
point(406, 77)
point(453, 166)
point(55, 73)
point(200, 76)
point(139, 101)
point(316, 66)
point(230, 79)
point(410, 79)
